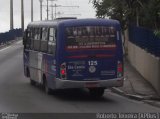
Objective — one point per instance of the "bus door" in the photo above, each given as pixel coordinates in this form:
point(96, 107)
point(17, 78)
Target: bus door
point(35, 55)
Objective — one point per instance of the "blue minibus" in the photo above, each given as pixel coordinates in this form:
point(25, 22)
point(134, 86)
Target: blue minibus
point(74, 53)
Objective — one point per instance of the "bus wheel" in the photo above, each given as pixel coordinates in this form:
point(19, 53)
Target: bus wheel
point(32, 82)
point(96, 92)
point(28, 73)
point(46, 88)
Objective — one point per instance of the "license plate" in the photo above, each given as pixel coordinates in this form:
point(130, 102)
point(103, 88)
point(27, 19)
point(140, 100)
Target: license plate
point(91, 85)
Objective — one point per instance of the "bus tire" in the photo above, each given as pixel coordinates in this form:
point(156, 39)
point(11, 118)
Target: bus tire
point(46, 88)
point(32, 82)
point(96, 92)
point(27, 72)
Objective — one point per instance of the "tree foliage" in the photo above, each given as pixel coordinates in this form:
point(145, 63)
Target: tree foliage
point(139, 12)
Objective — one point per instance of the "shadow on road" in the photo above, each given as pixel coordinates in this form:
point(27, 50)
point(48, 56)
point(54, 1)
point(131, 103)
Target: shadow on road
point(78, 95)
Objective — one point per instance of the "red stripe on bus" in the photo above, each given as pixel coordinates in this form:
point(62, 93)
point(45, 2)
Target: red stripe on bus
point(88, 56)
point(69, 49)
point(103, 56)
point(79, 56)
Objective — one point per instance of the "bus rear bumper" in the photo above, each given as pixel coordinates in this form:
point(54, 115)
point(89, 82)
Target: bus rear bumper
point(62, 84)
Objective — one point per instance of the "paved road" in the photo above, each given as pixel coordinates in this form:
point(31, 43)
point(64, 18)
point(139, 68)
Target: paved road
point(17, 95)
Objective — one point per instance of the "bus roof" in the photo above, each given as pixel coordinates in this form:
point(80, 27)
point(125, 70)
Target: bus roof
point(74, 22)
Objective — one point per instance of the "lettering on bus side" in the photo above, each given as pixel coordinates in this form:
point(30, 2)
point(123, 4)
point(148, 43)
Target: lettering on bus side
point(108, 72)
point(90, 37)
point(76, 67)
point(92, 66)
point(92, 63)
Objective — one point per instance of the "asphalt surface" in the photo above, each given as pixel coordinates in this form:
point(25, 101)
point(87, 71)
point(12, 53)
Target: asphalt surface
point(17, 95)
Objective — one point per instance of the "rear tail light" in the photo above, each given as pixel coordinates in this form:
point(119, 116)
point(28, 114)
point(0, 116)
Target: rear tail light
point(63, 71)
point(119, 70)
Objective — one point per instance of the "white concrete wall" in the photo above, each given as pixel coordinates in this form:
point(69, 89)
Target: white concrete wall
point(146, 64)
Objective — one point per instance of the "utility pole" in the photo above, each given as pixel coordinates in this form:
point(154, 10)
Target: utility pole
point(11, 15)
point(52, 8)
point(22, 15)
point(31, 10)
point(41, 9)
point(47, 10)
point(52, 13)
point(55, 11)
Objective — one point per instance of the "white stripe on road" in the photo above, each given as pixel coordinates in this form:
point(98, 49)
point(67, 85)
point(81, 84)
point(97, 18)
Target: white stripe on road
point(5, 48)
point(10, 46)
point(19, 42)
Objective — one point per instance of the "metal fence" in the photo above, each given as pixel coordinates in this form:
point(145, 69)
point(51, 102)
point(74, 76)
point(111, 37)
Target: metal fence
point(145, 39)
point(9, 36)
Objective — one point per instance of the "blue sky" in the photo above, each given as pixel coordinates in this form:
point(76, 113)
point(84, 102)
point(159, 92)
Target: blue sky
point(85, 10)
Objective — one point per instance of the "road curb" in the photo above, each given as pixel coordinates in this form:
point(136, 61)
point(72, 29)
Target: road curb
point(135, 97)
point(118, 91)
point(153, 103)
point(132, 96)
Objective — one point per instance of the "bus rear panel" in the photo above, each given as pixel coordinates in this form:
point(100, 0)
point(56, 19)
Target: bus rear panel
point(92, 55)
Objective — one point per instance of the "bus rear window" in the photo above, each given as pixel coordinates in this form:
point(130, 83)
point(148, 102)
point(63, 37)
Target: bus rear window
point(90, 37)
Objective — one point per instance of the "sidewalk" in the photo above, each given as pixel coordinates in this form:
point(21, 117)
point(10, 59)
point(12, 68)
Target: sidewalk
point(136, 87)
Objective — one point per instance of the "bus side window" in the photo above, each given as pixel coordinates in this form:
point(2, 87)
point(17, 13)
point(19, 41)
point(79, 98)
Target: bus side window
point(44, 40)
point(52, 41)
point(32, 39)
point(27, 35)
point(25, 38)
point(37, 39)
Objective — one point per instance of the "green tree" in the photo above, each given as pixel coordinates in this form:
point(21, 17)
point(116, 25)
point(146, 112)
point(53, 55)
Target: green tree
point(139, 12)
point(151, 16)
point(110, 9)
